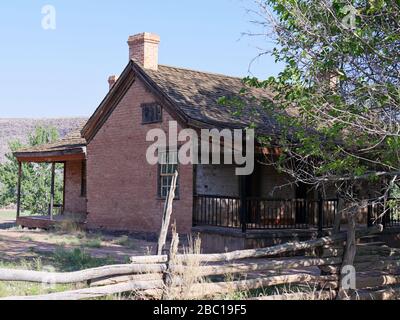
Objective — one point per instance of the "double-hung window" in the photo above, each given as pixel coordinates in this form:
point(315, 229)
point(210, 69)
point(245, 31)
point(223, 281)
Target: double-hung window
point(168, 165)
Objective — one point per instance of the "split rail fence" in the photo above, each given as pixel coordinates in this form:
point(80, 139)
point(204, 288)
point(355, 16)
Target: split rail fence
point(163, 276)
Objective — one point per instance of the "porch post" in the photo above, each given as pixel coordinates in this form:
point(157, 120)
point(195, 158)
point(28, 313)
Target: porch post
point(320, 215)
point(51, 207)
point(243, 202)
point(369, 212)
point(19, 189)
point(64, 179)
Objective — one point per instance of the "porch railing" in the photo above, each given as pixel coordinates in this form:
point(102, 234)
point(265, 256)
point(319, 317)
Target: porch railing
point(386, 213)
point(289, 214)
point(221, 211)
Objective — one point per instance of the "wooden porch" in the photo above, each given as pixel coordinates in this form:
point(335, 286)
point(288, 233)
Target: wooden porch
point(47, 222)
point(69, 150)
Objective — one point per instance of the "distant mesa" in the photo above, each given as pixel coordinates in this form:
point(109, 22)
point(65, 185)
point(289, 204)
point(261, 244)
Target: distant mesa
point(13, 129)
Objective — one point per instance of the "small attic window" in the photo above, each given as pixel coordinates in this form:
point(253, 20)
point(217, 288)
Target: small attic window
point(151, 113)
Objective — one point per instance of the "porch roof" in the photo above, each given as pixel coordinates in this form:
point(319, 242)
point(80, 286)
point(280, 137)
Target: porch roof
point(72, 147)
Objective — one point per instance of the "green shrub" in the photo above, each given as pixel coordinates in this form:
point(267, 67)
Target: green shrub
point(77, 259)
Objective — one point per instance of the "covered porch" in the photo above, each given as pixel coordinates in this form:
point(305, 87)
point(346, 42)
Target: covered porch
point(251, 213)
point(265, 209)
point(265, 200)
point(67, 158)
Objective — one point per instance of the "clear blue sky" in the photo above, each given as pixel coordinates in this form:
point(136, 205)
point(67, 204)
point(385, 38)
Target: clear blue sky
point(63, 72)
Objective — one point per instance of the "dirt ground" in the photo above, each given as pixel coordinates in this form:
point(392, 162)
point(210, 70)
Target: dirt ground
point(17, 243)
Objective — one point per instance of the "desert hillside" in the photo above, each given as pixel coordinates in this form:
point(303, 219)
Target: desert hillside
point(11, 129)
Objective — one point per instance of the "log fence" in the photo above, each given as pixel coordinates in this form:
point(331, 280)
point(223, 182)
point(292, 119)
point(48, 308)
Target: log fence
point(378, 273)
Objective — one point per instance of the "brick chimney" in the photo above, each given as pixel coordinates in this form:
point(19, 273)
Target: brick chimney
point(143, 48)
point(112, 80)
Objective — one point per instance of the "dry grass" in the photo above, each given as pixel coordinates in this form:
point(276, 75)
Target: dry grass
point(125, 241)
point(179, 284)
point(70, 227)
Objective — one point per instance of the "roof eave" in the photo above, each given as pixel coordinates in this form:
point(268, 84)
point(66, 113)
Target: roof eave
point(52, 156)
point(108, 104)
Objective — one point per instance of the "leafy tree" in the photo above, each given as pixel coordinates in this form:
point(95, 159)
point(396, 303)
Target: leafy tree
point(36, 178)
point(337, 101)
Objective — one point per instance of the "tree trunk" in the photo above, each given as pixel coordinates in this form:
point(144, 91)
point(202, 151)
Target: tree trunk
point(350, 251)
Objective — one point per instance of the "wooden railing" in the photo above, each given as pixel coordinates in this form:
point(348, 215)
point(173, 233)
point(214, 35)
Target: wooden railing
point(221, 211)
point(385, 213)
point(289, 214)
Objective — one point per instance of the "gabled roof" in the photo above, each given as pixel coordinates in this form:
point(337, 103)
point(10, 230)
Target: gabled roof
point(197, 94)
point(191, 96)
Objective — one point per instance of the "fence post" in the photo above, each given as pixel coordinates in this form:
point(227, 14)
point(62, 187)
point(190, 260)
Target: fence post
point(320, 216)
point(167, 214)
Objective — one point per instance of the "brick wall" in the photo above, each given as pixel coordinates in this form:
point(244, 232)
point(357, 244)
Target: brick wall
point(122, 186)
point(143, 48)
point(74, 202)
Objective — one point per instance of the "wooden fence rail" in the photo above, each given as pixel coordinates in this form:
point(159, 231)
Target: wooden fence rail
point(286, 248)
point(78, 276)
point(145, 276)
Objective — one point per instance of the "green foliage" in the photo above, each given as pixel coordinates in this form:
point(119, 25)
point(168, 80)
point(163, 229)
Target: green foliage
point(12, 288)
point(61, 260)
point(76, 259)
point(337, 100)
point(36, 178)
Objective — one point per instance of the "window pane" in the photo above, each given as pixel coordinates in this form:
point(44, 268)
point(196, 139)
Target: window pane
point(146, 114)
point(168, 166)
point(158, 117)
point(151, 113)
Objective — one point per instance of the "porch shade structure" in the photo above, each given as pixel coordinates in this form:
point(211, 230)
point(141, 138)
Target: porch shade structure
point(71, 148)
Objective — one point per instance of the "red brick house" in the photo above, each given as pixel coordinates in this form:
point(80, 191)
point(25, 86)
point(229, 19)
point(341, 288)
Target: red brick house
point(109, 183)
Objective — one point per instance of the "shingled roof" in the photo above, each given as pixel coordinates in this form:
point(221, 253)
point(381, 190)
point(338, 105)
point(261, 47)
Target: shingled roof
point(197, 95)
point(193, 97)
point(72, 146)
